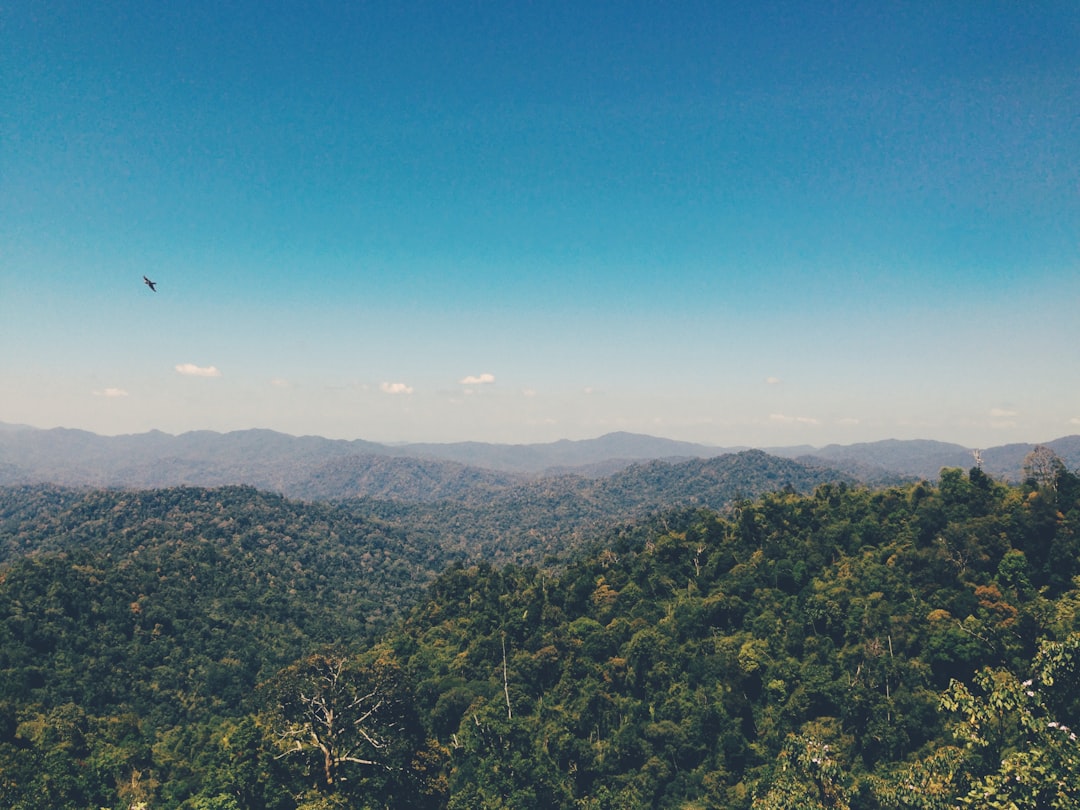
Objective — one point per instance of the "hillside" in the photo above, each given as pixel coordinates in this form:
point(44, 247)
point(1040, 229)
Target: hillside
point(322, 550)
point(133, 613)
point(805, 652)
point(135, 624)
point(184, 647)
point(471, 513)
point(400, 479)
point(549, 516)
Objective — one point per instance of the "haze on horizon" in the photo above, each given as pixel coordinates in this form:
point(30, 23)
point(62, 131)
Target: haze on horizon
point(767, 225)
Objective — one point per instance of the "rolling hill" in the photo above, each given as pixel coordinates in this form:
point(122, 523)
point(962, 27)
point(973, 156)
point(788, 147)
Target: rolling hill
point(317, 468)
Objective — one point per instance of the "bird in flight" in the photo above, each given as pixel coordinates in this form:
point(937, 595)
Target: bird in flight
point(152, 285)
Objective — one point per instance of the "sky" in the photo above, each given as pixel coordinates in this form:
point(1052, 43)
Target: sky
point(761, 224)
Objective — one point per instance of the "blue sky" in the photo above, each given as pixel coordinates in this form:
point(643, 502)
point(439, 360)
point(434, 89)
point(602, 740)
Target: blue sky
point(741, 224)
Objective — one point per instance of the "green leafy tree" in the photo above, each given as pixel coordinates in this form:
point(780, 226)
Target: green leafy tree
point(1014, 754)
point(499, 762)
point(808, 776)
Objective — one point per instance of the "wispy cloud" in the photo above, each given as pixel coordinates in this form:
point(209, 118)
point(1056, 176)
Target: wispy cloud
point(478, 379)
point(783, 419)
point(111, 392)
point(192, 370)
point(1003, 418)
point(772, 380)
point(395, 388)
point(1075, 420)
point(278, 382)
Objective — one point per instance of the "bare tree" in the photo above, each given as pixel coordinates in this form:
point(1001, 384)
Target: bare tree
point(330, 709)
point(1044, 466)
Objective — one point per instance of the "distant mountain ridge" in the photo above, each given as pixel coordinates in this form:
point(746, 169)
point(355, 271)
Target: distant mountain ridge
point(925, 459)
point(567, 454)
point(307, 466)
point(920, 458)
point(318, 468)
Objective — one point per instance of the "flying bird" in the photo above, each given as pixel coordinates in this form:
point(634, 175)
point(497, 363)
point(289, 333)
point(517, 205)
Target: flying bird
point(152, 285)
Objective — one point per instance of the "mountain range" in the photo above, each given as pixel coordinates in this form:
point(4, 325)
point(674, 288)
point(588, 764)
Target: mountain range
point(317, 468)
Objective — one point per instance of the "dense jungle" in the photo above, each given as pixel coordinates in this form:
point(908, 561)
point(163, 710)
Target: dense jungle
point(907, 646)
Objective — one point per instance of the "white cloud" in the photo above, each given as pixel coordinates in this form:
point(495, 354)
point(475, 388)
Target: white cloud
point(772, 380)
point(1075, 420)
point(528, 392)
point(478, 379)
point(278, 382)
point(1002, 418)
point(111, 392)
point(192, 370)
point(792, 420)
point(395, 388)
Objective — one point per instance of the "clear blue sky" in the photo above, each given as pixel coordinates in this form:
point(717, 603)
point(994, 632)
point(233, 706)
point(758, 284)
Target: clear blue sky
point(736, 223)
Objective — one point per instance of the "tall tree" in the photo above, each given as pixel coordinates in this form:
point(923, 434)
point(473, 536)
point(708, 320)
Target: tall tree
point(1043, 466)
point(351, 723)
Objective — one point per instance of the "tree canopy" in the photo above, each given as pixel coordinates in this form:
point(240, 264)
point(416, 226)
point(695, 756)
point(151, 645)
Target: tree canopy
point(907, 646)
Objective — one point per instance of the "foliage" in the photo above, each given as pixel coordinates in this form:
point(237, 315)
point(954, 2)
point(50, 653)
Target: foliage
point(807, 777)
point(790, 653)
point(1020, 754)
point(532, 520)
point(909, 646)
point(156, 614)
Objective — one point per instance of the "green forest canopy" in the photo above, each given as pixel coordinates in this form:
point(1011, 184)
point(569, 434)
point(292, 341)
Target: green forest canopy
point(914, 646)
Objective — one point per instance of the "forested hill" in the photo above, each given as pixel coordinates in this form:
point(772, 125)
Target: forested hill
point(229, 539)
point(868, 649)
point(531, 520)
point(205, 649)
point(476, 517)
point(134, 623)
point(648, 485)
